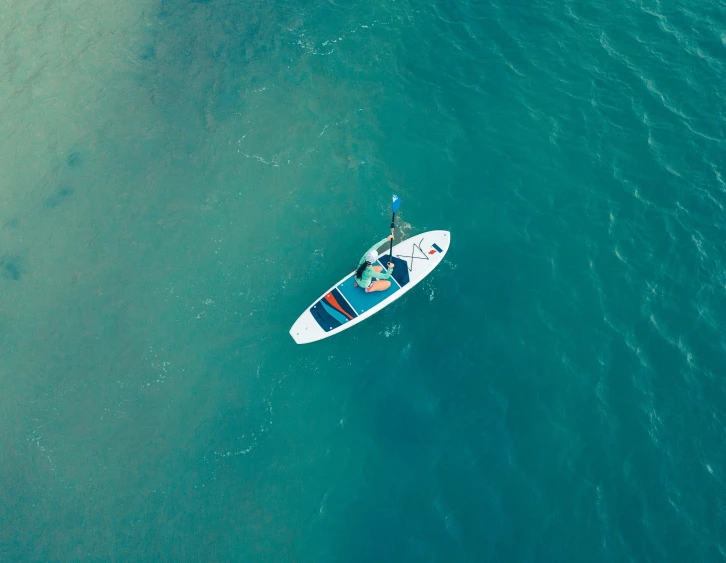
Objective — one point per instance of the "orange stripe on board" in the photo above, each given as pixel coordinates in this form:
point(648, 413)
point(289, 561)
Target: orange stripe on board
point(330, 299)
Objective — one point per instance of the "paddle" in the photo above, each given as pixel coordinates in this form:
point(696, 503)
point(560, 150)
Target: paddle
point(395, 206)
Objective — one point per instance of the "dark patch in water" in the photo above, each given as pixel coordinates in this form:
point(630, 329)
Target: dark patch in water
point(60, 196)
point(221, 52)
point(11, 270)
point(74, 159)
point(13, 223)
point(148, 53)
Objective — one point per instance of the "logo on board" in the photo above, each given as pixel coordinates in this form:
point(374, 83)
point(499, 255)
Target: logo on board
point(435, 248)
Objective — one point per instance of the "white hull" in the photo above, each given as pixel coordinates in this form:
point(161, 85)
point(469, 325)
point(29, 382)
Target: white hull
point(422, 253)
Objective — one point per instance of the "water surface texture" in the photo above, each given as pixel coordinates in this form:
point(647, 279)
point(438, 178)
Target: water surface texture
point(180, 179)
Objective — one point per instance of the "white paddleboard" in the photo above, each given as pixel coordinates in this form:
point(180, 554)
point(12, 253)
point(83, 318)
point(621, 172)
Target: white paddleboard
point(345, 305)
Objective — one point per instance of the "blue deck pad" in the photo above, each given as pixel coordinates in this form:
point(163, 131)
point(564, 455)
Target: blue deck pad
point(362, 301)
point(342, 319)
point(326, 321)
point(400, 270)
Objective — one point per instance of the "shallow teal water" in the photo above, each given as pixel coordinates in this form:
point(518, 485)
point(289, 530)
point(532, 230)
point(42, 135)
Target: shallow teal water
point(180, 179)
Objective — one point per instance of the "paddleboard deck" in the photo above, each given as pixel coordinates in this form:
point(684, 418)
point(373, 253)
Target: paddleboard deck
point(345, 304)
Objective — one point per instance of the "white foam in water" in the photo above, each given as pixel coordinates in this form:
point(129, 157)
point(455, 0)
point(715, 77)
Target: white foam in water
point(393, 330)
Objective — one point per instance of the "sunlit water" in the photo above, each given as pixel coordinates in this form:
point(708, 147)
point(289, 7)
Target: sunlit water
point(180, 180)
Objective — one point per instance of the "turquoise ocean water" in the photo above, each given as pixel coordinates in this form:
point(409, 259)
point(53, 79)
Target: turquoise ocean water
point(179, 180)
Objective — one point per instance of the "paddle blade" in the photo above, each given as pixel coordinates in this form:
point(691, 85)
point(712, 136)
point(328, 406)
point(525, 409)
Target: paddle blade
point(396, 203)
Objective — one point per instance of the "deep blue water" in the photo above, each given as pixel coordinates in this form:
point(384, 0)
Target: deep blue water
point(181, 179)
